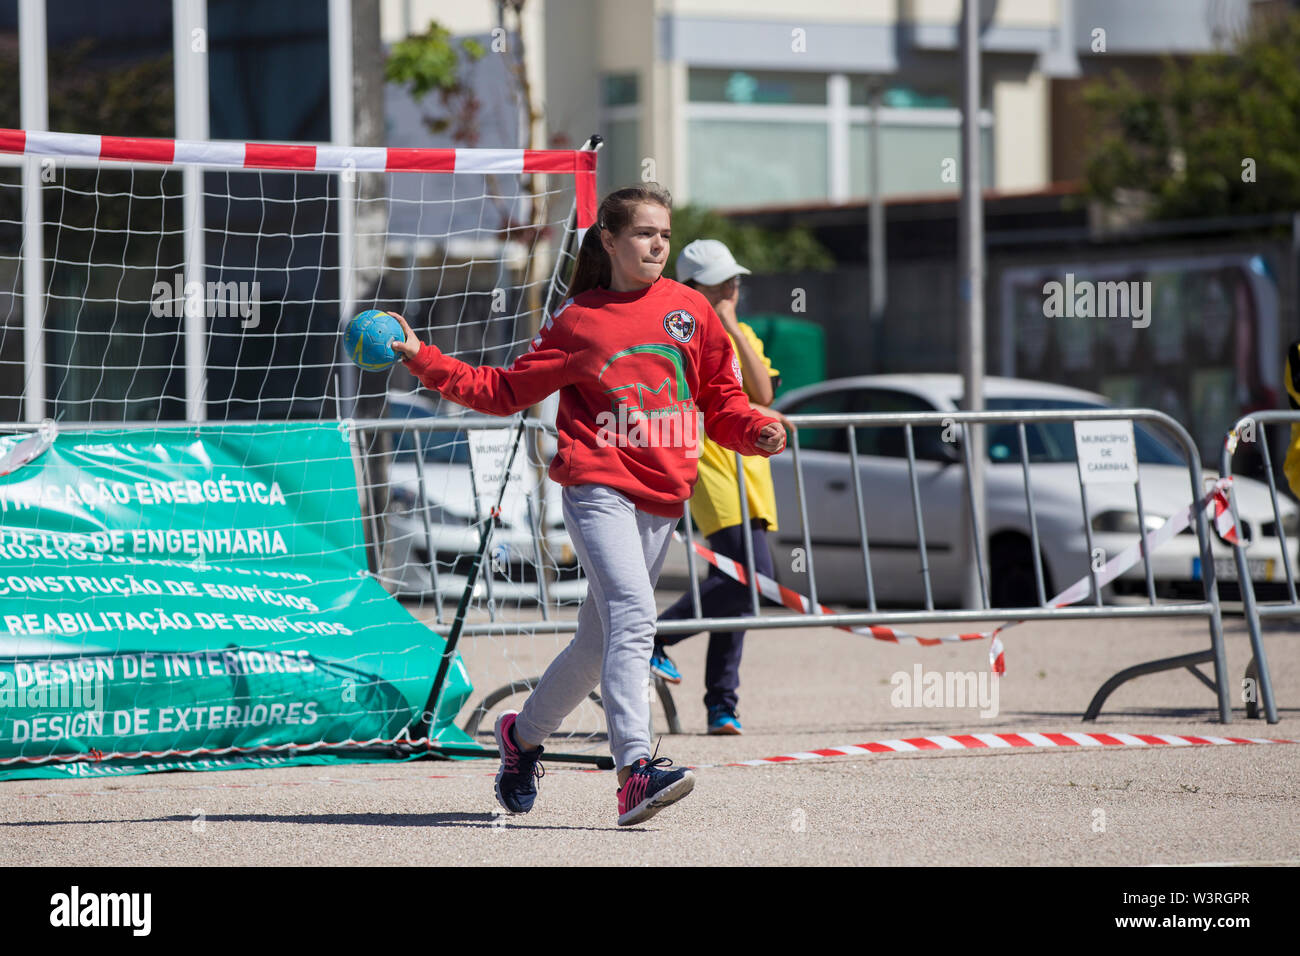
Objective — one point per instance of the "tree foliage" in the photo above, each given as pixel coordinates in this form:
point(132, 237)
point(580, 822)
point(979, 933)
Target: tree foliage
point(1218, 135)
point(430, 62)
point(759, 250)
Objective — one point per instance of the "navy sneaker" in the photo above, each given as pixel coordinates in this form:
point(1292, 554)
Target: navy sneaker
point(723, 720)
point(649, 789)
point(516, 783)
point(662, 666)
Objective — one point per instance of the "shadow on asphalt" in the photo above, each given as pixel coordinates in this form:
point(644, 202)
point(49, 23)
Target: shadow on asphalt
point(478, 821)
point(1207, 714)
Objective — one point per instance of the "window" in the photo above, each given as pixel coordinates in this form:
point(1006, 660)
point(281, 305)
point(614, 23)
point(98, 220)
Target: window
point(753, 161)
point(912, 157)
point(900, 97)
point(108, 358)
point(256, 47)
point(619, 160)
point(824, 403)
point(621, 89)
point(738, 86)
point(768, 137)
point(10, 111)
point(443, 448)
point(891, 441)
point(110, 67)
point(1054, 441)
point(11, 233)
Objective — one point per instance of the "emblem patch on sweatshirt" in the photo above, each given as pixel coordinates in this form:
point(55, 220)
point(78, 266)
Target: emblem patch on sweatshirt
point(680, 324)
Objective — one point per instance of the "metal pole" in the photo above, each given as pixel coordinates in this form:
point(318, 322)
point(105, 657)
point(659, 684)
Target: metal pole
point(1033, 518)
point(747, 534)
point(799, 488)
point(543, 598)
point(690, 563)
point(977, 534)
point(427, 721)
point(340, 48)
point(1142, 541)
point(876, 232)
point(422, 502)
point(189, 46)
point(920, 523)
point(1087, 534)
point(34, 116)
point(1277, 512)
point(972, 274)
point(862, 513)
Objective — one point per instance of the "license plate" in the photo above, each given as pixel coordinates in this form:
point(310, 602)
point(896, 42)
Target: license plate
point(1225, 569)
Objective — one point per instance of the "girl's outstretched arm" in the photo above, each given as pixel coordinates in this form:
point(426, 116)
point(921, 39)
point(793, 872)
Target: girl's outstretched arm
point(728, 418)
point(493, 391)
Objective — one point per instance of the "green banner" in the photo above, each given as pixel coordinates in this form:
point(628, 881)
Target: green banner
point(175, 592)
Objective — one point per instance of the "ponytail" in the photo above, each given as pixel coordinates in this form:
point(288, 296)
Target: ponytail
point(592, 268)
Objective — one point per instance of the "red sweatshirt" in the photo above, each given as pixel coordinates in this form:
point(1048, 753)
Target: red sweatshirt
point(633, 369)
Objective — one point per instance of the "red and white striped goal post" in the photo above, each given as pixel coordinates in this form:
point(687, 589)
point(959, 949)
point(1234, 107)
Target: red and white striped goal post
point(578, 163)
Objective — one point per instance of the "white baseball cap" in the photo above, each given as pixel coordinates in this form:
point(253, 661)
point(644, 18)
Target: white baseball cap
point(708, 262)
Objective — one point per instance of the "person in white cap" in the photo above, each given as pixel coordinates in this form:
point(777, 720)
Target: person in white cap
point(708, 266)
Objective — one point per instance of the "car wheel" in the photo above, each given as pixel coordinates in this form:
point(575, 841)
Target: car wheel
point(1012, 561)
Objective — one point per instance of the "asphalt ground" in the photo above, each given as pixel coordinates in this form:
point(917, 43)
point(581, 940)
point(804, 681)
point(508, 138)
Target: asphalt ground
point(801, 690)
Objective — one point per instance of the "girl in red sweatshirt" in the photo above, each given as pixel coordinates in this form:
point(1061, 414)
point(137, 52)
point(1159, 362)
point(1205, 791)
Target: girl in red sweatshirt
point(637, 358)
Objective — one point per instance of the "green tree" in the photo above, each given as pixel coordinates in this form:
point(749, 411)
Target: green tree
point(1218, 135)
point(759, 250)
point(430, 62)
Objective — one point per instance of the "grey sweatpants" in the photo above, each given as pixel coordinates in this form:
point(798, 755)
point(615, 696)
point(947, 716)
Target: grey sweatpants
point(622, 550)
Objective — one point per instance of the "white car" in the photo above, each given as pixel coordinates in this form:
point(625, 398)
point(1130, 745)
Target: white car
point(891, 528)
point(510, 568)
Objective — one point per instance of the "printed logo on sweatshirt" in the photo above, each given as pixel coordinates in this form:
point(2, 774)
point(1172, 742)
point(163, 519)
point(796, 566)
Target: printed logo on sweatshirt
point(645, 415)
point(638, 390)
point(680, 324)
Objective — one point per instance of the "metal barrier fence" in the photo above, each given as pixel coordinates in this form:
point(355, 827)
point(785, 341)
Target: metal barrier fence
point(421, 497)
point(917, 478)
point(910, 472)
point(1252, 430)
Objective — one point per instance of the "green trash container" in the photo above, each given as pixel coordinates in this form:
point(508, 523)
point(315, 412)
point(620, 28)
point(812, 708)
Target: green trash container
point(795, 347)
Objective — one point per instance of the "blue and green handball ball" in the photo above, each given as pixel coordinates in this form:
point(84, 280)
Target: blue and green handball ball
point(368, 340)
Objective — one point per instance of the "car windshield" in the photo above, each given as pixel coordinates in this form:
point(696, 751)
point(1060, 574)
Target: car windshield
point(1054, 441)
point(445, 448)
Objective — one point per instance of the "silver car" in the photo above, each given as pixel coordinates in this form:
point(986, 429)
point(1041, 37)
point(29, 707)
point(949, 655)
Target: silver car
point(449, 503)
point(883, 471)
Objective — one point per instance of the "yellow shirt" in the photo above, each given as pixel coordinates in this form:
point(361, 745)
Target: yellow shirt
point(716, 502)
point(1292, 380)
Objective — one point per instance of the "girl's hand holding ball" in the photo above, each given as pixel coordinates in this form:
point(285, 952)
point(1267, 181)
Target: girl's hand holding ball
point(408, 349)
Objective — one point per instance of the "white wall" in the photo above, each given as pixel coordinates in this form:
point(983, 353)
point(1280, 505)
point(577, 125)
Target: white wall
point(1009, 13)
point(1021, 132)
point(849, 11)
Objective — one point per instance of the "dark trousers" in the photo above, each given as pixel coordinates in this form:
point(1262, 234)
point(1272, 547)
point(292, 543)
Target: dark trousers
point(720, 596)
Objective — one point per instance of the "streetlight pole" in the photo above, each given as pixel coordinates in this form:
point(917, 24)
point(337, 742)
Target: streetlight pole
point(972, 282)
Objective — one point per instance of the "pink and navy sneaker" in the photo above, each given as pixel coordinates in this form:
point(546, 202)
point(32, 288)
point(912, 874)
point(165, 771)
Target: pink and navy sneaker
point(516, 783)
point(649, 789)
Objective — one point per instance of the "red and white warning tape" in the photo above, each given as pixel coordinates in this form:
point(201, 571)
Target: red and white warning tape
point(1216, 500)
point(997, 741)
point(775, 591)
point(1215, 504)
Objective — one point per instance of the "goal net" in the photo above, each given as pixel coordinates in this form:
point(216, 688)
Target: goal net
point(219, 540)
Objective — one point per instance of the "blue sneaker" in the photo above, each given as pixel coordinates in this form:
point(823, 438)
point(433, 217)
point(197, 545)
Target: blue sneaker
point(649, 789)
point(516, 783)
point(723, 720)
point(662, 666)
